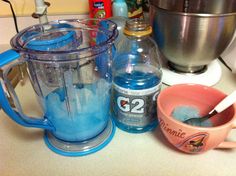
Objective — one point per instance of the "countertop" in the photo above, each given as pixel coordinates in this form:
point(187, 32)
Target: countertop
point(23, 152)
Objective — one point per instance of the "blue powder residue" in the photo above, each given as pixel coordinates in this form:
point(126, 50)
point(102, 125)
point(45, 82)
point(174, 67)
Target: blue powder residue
point(182, 113)
point(81, 112)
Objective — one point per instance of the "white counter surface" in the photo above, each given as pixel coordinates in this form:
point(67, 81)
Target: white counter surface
point(23, 152)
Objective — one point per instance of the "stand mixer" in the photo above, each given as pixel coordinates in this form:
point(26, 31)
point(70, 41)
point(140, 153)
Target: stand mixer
point(191, 35)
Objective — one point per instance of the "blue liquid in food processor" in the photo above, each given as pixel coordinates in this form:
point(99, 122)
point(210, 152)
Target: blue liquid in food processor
point(134, 99)
point(80, 112)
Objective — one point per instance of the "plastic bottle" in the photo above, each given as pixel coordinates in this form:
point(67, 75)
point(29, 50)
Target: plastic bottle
point(100, 8)
point(137, 78)
point(119, 8)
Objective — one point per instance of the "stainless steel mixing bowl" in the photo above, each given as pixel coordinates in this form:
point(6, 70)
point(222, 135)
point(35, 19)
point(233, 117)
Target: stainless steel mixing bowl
point(192, 33)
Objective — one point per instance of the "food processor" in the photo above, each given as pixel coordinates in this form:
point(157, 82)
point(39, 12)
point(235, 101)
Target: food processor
point(69, 66)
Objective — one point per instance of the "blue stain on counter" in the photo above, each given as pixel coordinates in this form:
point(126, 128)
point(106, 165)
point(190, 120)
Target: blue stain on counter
point(182, 113)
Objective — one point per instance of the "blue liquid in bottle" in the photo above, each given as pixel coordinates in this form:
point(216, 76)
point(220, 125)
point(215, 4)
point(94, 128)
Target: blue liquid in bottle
point(134, 99)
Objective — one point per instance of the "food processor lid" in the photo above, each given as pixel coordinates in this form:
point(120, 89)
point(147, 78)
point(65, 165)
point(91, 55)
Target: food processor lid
point(85, 38)
point(52, 42)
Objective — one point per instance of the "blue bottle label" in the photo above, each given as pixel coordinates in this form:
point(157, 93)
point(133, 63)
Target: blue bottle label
point(136, 108)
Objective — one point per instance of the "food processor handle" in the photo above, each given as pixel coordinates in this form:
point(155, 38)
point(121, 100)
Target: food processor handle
point(7, 61)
